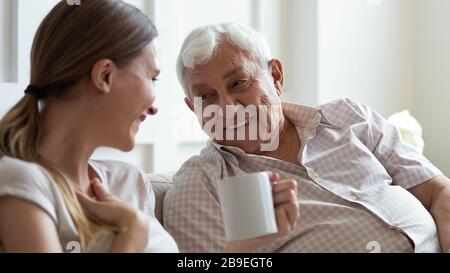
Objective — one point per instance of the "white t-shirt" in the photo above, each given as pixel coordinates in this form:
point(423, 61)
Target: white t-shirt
point(31, 182)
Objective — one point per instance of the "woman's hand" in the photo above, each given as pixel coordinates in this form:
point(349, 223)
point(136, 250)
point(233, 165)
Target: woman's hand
point(287, 211)
point(132, 225)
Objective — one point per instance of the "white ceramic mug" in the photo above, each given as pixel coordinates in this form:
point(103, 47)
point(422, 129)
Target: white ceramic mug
point(247, 206)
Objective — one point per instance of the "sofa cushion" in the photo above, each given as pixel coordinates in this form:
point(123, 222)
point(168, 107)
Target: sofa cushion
point(160, 184)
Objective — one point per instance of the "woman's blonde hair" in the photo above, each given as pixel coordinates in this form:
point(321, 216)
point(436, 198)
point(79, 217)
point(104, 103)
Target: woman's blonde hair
point(69, 41)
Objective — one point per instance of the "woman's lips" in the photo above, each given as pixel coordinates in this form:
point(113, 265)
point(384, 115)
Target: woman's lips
point(142, 117)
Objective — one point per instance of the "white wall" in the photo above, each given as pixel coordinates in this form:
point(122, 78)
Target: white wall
point(300, 55)
point(29, 15)
point(268, 17)
point(433, 79)
point(366, 53)
point(5, 37)
point(361, 49)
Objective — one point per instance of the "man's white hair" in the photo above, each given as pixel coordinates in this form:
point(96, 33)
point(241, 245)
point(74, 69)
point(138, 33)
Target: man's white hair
point(201, 44)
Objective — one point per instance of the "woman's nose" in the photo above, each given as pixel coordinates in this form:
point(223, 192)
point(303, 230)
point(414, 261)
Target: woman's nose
point(153, 110)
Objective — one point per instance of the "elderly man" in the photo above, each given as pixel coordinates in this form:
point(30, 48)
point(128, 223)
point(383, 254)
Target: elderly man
point(360, 189)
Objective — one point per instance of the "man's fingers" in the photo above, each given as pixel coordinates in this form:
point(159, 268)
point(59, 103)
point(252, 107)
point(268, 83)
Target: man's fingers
point(284, 227)
point(292, 211)
point(273, 176)
point(286, 196)
point(284, 185)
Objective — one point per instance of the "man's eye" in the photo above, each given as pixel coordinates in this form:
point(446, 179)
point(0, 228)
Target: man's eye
point(239, 83)
point(155, 79)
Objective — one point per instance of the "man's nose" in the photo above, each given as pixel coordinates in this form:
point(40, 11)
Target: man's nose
point(228, 104)
point(227, 100)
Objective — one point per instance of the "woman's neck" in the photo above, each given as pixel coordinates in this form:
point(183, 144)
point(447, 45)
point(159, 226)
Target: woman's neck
point(65, 141)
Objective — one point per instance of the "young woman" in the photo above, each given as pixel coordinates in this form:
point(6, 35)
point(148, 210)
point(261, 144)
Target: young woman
point(93, 69)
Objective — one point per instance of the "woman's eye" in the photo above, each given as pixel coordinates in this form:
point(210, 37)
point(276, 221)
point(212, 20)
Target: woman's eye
point(155, 79)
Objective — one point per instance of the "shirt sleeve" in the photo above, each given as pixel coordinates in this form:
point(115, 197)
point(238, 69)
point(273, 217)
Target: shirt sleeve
point(406, 166)
point(28, 182)
point(192, 212)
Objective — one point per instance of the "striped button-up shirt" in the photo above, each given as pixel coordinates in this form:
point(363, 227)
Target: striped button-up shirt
point(352, 179)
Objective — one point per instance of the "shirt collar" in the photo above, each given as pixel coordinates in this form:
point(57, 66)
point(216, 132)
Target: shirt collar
point(306, 117)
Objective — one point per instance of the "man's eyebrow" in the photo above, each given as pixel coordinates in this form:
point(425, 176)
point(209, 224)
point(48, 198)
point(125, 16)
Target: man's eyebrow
point(198, 87)
point(233, 72)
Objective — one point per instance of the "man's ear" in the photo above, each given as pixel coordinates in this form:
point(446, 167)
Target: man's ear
point(102, 75)
point(189, 103)
point(276, 70)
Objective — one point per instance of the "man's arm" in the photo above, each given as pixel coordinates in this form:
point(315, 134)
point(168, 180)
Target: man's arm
point(407, 168)
point(192, 212)
point(435, 197)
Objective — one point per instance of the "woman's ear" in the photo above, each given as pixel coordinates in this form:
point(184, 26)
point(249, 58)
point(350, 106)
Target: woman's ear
point(276, 70)
point(102, 75)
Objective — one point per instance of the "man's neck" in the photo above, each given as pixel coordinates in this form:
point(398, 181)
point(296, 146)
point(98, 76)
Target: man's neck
point(289, 144)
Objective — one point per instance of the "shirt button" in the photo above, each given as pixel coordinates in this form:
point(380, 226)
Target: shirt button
point(314, 174)
point(353, 197)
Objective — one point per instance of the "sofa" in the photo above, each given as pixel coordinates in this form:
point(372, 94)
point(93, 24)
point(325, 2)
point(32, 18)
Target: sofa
point(160, 184)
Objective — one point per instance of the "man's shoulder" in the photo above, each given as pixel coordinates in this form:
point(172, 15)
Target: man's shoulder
point(344, 112)
point(203, 167)
point(196, 178)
